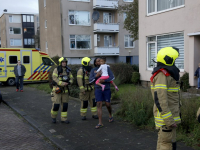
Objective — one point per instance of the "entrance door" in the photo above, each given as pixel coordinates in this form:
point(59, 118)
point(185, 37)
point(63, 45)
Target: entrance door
point(3, 70)
point(26, 60)
point(107, 41)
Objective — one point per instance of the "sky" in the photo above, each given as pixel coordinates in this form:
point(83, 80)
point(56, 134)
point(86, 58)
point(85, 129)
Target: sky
point(19, 6)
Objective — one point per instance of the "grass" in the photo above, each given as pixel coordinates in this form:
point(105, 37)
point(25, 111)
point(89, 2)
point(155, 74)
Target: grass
point(41, 86)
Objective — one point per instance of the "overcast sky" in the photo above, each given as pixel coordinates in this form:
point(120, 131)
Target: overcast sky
point(19, 6)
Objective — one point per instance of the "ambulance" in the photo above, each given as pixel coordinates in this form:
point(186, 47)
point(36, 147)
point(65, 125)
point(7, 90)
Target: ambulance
point(37, 64)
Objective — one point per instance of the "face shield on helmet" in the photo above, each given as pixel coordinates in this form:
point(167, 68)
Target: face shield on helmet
point(168, 55)
point(62, 59)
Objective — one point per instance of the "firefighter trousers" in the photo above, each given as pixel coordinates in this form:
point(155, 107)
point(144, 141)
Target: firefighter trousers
point(166, 138)
point(59, 99)
point(85, 98)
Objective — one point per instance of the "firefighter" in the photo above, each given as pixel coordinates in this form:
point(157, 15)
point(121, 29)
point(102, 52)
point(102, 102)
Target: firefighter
point(165, 88)
point(86, 89)
point(62, 78)
point(198, 115)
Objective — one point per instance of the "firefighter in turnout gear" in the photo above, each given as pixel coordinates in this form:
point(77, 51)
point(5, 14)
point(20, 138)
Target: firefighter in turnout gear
point(62, 78)
point(165, 88)
point(86, 89)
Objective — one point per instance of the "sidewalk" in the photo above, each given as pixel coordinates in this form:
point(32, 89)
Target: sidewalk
point(16, 134)
point(35, 107)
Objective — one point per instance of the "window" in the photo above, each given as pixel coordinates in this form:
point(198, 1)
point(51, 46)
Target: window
point(46, 61)
point(26, 59)
point(15, 30)
point(107, 41)
point(45, 23)
point(125, 16)
point(80, 42)
point(29, 41)
point(79, 18)
point(107, 17)
point(128, 41)
point(28, 18)
point(32, 18)
point(163, 5)
point(158, 42)
point(128, 0)
point(13, 59)
point(15, 42)
point(29, 30)
point(46, 45)
point(24, 18)
point(44, 3)
point(98, 38)
point(15, 18)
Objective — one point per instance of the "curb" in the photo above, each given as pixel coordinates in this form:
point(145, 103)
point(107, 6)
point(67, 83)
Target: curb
point(33, 123)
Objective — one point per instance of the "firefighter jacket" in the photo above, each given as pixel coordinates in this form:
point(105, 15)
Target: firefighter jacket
point(58, 78)
point(83, 80)
point(165, 91)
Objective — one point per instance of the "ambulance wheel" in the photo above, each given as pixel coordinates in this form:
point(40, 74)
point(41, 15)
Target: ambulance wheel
point(11, 81)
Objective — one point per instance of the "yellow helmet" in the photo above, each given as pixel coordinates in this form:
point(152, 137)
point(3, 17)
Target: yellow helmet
point(168, 55)
point(85, 61)
point(62, 59)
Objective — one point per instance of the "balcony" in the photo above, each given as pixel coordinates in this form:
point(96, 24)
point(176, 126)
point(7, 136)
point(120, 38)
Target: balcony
point(105, 4)
point(106, 51)
point(106, 27)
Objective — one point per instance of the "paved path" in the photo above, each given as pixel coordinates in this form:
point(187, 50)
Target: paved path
point(16, 133)
point(35, 107)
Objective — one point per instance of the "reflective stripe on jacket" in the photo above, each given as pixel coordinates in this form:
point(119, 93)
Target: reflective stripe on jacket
point(165, 91)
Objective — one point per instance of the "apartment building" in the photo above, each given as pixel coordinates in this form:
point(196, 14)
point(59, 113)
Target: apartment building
point(169, 23)
point(79, 28)
point(17, 30)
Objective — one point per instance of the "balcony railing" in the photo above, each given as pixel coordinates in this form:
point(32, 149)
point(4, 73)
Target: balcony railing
point(105, 4)
point(106, 27)
point(106, 51)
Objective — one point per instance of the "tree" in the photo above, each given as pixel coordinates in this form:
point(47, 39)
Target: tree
point(131, 21)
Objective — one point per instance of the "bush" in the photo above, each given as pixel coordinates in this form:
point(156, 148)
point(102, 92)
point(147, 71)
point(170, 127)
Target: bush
point(74, 68)
point(185, 80)
point(135, 77)
point(123, 70)
point(55, 59)
point(135, 68)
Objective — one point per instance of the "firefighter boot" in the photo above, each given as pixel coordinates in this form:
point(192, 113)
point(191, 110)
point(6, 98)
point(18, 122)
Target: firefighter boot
point(66, 122)
point(53, 120)
point(84, 118)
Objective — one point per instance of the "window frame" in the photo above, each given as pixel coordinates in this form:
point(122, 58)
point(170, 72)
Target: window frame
point(9, 59)
point(29, 59)
point(158, 12)
point(79, 1)
point(45, 24)
point(46, 45)
point(75, 42)
point(45, 3)
point(128, 1)
point(129, 41)
point(74, 18)
point(15, 39)
point(156, 49)
point(13, 30)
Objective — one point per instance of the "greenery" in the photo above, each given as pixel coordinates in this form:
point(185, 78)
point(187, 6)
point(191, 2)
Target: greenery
point(131, 22)
point(135, 68)
point(135, 77)
point(137, 108)
point(185, 80)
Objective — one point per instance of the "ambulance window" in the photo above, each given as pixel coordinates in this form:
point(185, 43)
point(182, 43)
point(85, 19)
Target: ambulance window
point(13, 59)
point(47, 61)
point(26, 60)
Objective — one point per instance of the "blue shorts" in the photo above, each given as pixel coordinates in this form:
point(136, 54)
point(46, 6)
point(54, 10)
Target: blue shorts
point(102, 95)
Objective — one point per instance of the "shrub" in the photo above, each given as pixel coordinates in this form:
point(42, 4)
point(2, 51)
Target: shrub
point(135, 68)
point(185, 80)
point(55, 59)
point(135, 77)
point(123, 70)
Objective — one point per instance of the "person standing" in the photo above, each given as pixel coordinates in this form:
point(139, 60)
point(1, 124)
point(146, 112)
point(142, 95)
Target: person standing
point(165, 87)
point(197, 75)
point(19, 71)
point(86, 89)
point(102, 95)
point(62, 78)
